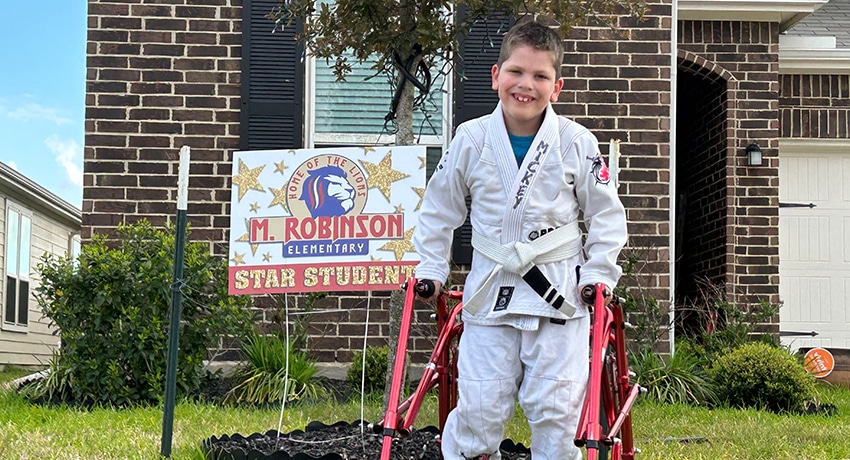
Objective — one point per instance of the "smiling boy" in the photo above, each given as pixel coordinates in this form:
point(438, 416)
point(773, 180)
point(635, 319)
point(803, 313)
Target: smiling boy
point(530, 174)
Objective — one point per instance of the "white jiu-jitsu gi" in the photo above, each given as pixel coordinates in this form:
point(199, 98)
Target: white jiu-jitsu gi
point(514, 343)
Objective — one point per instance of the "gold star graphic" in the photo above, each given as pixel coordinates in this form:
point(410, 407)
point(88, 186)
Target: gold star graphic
point(245, 238)
point(422, 162)
point(383, 175)
point(367, 149)
point(421, 193)
point(375, 259)
point(399, 208)
point(400, 247)
point(238, 258)
point(280, 167)
point(254, 207)
point(267, 257)
point(247, 179)
point(279, 197)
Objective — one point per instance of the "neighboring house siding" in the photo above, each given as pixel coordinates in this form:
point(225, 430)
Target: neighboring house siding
point(32, 343)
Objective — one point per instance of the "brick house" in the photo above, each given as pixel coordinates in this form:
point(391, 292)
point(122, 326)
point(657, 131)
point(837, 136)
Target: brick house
point(685, 90)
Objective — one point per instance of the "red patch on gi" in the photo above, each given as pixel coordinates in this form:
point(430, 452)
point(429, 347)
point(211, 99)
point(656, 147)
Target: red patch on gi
point(599, 170)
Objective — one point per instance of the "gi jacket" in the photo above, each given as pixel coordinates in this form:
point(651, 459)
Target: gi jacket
point(563, 174)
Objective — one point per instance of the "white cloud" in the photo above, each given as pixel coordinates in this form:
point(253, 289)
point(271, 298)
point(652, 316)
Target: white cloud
point(12, 165)
point(30, 111)
point(70, 156)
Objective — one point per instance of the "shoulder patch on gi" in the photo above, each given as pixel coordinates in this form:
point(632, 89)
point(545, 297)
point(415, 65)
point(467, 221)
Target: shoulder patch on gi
point(504, 298)
point(599, 170)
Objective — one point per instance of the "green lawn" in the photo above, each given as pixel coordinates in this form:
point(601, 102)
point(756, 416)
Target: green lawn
point(662, 432)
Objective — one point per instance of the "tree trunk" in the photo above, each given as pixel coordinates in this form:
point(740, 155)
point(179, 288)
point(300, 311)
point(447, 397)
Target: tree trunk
point(404, 136)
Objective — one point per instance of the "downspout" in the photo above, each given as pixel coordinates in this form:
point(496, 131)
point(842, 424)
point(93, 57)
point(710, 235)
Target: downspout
point(674, 64)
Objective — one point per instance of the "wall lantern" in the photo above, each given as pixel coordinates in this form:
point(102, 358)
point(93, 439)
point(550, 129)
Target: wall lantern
point(754, 156)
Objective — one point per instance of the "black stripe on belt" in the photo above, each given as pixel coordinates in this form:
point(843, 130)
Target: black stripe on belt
point(543, 287)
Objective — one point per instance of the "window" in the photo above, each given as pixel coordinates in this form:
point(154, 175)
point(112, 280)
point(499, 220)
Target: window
point(353, 111)
point(74, 247)
point(17, 283)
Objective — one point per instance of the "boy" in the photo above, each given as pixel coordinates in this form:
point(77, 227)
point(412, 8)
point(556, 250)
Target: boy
point(529, 173)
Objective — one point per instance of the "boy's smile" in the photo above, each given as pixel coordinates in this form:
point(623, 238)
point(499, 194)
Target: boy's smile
point(526, 85)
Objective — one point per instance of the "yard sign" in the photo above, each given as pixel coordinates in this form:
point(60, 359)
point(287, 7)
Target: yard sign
point(332, 219)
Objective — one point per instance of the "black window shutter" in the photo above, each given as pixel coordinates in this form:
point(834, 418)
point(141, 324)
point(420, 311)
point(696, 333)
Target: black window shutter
point(479, 50)
point(474, 96)
point(272, 81)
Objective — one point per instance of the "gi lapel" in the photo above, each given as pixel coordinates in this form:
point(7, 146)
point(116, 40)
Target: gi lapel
point(544, 142)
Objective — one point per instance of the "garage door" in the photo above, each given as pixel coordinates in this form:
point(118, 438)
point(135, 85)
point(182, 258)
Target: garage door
point(814, 243)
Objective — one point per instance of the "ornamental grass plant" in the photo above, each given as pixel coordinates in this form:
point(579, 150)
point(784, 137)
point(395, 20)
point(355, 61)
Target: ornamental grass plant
point(270, 371)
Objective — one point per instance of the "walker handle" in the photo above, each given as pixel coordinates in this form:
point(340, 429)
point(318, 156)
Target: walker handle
point(425, 288)
point(588, 293)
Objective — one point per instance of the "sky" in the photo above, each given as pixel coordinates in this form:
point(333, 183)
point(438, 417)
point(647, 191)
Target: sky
point(42, 93)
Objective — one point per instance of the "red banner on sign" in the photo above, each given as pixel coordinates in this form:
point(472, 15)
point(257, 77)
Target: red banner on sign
point(352, 276)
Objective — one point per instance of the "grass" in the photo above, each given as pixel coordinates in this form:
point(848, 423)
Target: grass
point(662, 431)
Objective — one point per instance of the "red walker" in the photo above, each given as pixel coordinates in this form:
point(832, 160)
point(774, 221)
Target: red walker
point(605, 424)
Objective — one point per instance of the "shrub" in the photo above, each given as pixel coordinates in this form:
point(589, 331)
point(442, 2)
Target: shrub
point(376, 369)
point(761, 376)
point(111, 306)
point(679, 379)
point(265, 377)
point(718, 325)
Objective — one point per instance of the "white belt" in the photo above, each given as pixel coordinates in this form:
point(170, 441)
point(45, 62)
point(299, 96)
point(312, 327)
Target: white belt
point(517, 257)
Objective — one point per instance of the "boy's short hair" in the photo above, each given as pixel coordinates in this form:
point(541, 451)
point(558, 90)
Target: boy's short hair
point(532, 31)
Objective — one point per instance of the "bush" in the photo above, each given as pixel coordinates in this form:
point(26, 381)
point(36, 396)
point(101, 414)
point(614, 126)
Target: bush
point(761, 376)
point(376, 369)
point(717, 326)
point(111, 306)
point(264, 378)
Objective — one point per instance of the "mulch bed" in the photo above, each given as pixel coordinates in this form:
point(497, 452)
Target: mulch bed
point(339, 441)
point(342, 440)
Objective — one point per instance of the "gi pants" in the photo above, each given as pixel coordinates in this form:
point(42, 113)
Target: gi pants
point(546, 369)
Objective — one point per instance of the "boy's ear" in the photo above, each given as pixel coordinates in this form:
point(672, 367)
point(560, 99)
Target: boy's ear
point(558, 85)
point(494, 74)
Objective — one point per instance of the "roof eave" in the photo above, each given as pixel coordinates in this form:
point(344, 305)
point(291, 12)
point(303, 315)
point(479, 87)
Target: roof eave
point(24, 187)
point(785, 12)
point(814, 61)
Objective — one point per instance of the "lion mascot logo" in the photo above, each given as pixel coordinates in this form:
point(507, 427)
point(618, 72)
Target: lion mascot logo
point(327, 192)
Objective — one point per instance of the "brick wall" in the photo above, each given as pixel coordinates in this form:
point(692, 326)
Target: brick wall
point(617, 83)
point(160, 75)
point(745, 55)
point(814, 106)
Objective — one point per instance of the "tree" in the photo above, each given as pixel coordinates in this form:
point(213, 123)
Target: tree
point(408, 36)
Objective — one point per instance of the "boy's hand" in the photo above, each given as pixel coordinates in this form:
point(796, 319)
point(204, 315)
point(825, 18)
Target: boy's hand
point(428, 290)
point(587, 294)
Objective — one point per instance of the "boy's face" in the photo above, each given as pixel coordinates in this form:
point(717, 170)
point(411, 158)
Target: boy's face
point(526, 85)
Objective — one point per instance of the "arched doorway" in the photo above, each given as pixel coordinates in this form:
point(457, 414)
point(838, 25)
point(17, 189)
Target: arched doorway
point(701, 248)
